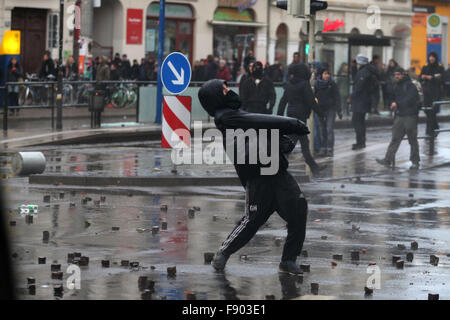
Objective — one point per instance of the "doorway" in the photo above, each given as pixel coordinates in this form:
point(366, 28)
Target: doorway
point(32, 26)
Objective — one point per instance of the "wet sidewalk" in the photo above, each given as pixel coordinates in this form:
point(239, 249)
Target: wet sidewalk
point(119, 125)
point(362, 216)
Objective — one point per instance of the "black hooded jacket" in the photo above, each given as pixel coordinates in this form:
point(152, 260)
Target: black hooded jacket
point(227, 115)
point(364, 82)
point(432, 88)
point(255, 97)
point(298, 95)
point(405, 94)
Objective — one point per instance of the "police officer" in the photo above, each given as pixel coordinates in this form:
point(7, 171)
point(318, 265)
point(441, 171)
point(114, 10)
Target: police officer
point(264, 193)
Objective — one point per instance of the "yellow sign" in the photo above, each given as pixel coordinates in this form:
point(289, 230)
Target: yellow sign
point(10, 43)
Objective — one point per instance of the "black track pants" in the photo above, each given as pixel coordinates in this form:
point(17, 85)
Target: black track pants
point(264, 195)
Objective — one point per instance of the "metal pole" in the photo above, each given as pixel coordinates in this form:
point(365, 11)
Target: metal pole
point(268, 32)
point(312, 48)
point(53, 105)
point(5, 112)
point(60, 68)
point(312, 38)
point(76, 36)
point(159, 96)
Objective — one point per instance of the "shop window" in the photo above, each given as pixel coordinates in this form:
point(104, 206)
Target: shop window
point(179, 26)
point(53, 31)
point(233, 41)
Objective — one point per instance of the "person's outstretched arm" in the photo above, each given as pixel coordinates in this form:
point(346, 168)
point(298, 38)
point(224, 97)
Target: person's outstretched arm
point(245, 120)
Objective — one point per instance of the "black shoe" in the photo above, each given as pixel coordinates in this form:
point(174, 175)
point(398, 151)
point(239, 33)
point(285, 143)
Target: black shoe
point(321, 153)
point(358, 146)
point(383, 162)
point(318, 169)
point(220, 260)
point(289, 267)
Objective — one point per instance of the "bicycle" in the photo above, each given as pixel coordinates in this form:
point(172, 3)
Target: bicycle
point(125, 96)
point(27, 94)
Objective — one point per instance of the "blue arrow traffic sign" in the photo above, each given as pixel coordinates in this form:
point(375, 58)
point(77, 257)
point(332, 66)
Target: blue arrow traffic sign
point(176, 73)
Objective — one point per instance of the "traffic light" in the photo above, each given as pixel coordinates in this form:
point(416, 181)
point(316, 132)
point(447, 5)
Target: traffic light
point(317, 6)
point(301, 8)
point(282, 4)
point(307, 49)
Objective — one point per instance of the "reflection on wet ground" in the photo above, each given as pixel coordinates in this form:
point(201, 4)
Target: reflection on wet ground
point(355, 206)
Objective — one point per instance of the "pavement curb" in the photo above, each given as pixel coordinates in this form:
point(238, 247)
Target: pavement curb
point(91, 181)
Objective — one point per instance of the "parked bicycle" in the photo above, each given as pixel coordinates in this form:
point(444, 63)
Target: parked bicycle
point(124, 96)
point(28, 95)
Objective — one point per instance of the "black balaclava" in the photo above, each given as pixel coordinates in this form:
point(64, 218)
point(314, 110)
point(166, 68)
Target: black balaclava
point(232, 100)
point(258, 70)
point(212, 98)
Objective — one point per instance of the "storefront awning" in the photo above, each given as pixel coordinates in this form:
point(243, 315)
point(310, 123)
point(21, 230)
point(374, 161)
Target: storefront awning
point(237, 23)
point(362, 39)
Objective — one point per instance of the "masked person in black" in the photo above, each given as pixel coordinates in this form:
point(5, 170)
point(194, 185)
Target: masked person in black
point(299, 98)
point(257, 91)
point(431, 77)
point(363, 84)
point(264, 193)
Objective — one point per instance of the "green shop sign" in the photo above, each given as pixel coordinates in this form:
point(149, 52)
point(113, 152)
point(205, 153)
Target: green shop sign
point(231, 14)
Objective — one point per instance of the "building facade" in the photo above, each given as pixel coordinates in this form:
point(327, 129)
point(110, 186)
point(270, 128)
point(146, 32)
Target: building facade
point(430, 32)
point(226, 28)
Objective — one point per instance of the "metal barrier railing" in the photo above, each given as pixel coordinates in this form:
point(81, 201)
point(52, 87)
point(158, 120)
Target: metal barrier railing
point(42, 95)
point(38, 90)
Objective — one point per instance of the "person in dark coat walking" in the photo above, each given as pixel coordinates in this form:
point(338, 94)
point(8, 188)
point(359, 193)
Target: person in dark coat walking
point(211, 69)
point(299, 98)
point(135, 70)
point(265, 193)
point(245, 76)
point(295, 61)
point(114, 73)
point(257, 92)
point(249, 58)
point(361, 98)
point(329, 100)
point(275, 72)
point(14, 73)
point(405, 104)
point(432, 76)
point(125, 70)
point(47, 67)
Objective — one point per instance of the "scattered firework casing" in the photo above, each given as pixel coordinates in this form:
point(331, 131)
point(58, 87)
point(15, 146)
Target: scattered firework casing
point(55, 267)
point(337, 257)
point(105, 263)
point(171, 271)
point(208, 256)
point(315, 288)
point(355, 255)
point(368, 291)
